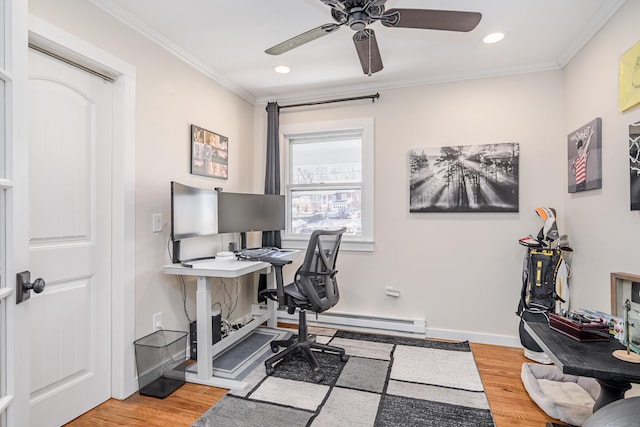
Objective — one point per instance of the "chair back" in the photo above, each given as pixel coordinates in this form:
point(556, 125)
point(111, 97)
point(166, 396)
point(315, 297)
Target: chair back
point(316, 277)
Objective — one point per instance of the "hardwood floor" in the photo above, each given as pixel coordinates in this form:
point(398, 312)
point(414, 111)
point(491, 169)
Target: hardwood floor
point(499, 368)
point(510, 403)
point(181, 408)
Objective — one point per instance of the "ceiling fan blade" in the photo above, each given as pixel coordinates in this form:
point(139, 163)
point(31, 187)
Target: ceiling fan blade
point(303, 38)
point(448, 20)
point(335, 4)
point(368, 51)
point(373, 4)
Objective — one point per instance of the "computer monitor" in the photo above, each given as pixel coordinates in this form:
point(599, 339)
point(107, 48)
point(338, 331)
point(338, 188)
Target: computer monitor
point(194, 213)
point(199, 212)
point(242, 212)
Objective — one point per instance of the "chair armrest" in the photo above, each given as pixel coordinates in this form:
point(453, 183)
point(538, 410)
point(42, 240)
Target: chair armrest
point(277, 264)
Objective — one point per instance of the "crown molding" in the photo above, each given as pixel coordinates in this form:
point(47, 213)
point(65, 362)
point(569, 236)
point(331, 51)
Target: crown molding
point(146, 31)
point(308, 95)
point(593, 26)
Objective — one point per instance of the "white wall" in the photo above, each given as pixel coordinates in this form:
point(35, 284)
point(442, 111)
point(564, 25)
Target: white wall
point(603, 229)
point(170, 96)
point(459, 271)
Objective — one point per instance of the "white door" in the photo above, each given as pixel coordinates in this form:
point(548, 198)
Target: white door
point(70, 130)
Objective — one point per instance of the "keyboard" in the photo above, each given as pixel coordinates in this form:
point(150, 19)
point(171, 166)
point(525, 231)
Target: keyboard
point(257, 253)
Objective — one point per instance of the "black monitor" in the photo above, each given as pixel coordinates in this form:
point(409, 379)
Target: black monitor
point(242, 212)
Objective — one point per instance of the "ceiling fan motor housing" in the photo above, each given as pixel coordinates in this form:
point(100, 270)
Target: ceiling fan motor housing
point(358, 20)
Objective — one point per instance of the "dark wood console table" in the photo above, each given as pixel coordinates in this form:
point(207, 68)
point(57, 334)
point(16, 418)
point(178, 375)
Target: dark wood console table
point(588, 359)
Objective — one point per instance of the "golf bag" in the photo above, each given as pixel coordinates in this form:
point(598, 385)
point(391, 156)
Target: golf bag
point(541, 284)
point(544, 281)
point(539, 295)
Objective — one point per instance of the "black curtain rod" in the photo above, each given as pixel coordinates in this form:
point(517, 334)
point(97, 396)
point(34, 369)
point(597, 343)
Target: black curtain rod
point(371, 97)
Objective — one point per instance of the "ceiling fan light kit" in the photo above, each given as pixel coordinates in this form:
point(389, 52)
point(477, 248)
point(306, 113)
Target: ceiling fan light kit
point(359, 14)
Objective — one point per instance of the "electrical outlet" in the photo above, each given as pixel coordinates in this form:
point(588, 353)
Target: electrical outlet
point(157, 223)
point(157, 321)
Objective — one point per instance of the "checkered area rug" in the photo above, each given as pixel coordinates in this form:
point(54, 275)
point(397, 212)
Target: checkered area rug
point(387, 381)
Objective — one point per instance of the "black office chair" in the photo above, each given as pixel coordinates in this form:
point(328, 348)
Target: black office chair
point(314, 288)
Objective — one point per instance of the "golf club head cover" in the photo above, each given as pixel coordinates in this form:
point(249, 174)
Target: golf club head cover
point(549, 229)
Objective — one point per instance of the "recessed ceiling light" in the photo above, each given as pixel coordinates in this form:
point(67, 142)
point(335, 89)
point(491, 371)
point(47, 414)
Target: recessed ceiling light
point(493, 38)
point(282, 69)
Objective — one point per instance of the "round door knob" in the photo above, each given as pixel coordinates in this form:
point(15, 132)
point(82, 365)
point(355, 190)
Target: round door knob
point(37, 286)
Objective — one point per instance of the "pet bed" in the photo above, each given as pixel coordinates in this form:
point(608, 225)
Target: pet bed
point(568, 398)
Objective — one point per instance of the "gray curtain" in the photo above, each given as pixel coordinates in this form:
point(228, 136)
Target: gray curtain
point(272, 174)
point(271, 179)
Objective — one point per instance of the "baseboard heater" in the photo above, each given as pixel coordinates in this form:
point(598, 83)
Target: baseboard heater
point(355, 322)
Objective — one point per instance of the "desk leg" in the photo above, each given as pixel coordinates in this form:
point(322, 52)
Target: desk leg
point(610, 391)
point(272, 308)
point(205, 340)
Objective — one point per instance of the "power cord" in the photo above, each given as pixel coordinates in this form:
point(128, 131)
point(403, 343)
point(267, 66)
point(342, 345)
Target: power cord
point(184, 296)
point(169, 248)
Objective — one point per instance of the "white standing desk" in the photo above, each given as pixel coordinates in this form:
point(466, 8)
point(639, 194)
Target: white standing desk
point(227, 268)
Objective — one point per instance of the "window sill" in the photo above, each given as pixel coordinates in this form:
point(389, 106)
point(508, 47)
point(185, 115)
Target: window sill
point(346, 245)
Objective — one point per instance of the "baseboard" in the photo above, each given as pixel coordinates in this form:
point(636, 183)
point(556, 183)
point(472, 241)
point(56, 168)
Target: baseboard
point(447, 334)
point(386, 325)
point(356, 322)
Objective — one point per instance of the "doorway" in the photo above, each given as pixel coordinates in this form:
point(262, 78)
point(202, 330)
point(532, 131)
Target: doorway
point(122, 380)
point(70, 129)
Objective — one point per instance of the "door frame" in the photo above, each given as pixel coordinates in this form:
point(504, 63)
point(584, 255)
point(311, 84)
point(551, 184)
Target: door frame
point(66, 45)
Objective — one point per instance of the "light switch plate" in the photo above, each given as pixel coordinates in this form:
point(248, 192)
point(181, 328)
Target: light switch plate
point(157, 223)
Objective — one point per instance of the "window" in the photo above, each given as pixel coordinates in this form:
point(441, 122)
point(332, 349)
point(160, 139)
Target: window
point(329, 181)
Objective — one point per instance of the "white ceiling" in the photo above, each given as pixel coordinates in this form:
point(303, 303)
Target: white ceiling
point(226, 40)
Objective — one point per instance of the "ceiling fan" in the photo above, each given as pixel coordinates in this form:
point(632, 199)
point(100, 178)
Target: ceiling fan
point(358, 14)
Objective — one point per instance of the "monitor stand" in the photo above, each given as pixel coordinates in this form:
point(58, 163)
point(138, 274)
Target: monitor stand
point(175, 252)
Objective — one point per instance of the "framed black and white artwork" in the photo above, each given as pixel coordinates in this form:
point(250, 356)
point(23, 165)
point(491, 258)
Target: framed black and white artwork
point(464, 178)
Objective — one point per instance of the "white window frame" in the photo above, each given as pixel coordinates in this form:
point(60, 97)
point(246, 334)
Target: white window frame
point(364, 242)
